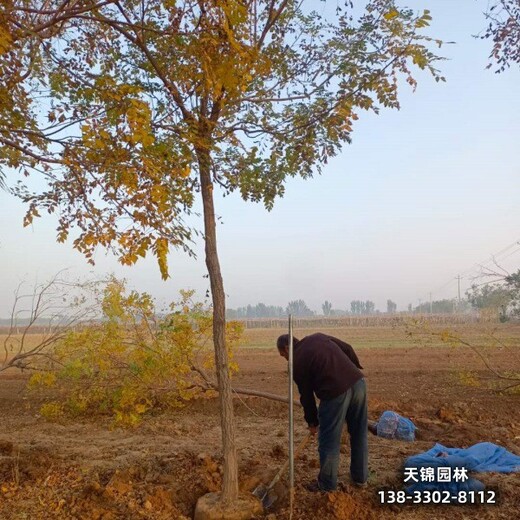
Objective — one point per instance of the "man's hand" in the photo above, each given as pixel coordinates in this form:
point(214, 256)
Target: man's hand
point(313, 430)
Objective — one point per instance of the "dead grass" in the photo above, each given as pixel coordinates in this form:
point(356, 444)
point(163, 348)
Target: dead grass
point(359, 337)
point(389, 337)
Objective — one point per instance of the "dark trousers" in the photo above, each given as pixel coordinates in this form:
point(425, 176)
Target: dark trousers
point(350, 407)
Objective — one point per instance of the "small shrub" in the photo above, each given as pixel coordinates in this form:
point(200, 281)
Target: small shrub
point(131, 361)
point(52, 411)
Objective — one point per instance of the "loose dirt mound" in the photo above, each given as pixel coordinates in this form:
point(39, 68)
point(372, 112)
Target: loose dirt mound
point(345, 507)
point(69, 494)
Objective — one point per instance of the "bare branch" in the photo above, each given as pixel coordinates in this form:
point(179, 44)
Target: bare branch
point(50, 303)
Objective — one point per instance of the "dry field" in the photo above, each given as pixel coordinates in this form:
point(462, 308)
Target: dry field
point(387, 337)
point(86, 470)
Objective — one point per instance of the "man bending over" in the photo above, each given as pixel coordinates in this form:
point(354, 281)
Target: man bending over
point(329, 368)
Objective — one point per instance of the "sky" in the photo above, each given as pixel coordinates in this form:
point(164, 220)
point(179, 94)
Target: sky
point(422, 195)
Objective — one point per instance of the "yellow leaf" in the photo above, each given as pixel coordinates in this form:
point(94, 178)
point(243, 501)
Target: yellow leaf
point(391, 14)
point(161, 251)
point(5, 40)
point(140, 408)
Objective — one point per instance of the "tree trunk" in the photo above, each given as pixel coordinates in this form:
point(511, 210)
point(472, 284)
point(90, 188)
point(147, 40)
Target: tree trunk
point(227, 418)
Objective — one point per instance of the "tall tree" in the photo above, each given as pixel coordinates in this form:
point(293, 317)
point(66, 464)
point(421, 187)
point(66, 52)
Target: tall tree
point(129, 109)
point(298, 308)
point(370, 307)
point(502, 295)
point(391, 306)
point(326, 307)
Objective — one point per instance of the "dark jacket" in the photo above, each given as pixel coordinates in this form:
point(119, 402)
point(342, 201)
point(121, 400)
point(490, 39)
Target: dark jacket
point(325, 366)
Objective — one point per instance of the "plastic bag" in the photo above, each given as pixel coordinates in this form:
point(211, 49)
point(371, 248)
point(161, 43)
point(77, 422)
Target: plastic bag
point(393, 426)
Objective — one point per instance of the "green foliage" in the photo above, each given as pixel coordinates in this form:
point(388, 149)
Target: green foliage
point(122, 104)
point(132, 362)
point(391, 306)
point(298, 308)
point(326, 308)
point(362, 307)
point(52, 411)
point(512, 282)
point(260, 310)
point(502, 296)
point(489, 296)
point(446, 306)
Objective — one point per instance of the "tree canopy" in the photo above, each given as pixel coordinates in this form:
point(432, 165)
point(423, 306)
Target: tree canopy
point(326, 307)
point(391, 306)
point(362, 307)
point(298, 308)
point(114, 101)
point(502, 295)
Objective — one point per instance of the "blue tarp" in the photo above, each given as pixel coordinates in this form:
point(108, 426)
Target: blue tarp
point(391, 425)
point(484, 456)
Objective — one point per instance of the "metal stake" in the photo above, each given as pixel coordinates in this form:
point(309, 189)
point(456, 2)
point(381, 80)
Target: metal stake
point(291, 419)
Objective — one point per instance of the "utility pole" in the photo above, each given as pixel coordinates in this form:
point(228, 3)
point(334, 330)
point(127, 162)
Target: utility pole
point(458, 285)
point(431, 305)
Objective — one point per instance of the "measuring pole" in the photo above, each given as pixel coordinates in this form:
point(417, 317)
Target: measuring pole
point(291, 418)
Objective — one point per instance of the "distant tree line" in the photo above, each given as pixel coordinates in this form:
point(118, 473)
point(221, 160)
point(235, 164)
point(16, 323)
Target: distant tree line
point(298, 308)
point(362, 307)
point(446, 306)
point(328, 310)
point(260, 310)
point(502, 295)
point(23, 322)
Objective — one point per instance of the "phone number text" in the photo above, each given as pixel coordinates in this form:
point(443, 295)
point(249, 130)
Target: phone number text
point(389, 496)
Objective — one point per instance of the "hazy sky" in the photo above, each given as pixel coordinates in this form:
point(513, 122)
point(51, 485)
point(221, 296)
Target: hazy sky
point(421, 195)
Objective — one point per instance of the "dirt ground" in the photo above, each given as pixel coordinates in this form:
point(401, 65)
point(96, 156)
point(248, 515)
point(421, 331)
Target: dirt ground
point(86, 470)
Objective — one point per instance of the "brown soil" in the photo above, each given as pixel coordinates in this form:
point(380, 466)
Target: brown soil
point(86, 470)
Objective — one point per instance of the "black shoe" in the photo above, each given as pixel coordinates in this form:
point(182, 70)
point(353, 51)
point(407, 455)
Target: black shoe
point(314, 487)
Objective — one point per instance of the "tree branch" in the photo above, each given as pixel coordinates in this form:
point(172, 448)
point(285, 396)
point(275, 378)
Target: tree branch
point(16, 146)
